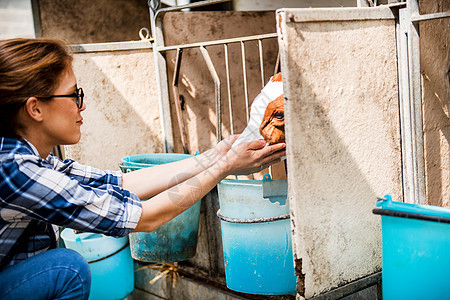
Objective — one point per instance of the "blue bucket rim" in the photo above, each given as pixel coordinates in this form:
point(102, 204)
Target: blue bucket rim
point(246, 182)
point(133, 160)
point(413, 211)
point(157, 154)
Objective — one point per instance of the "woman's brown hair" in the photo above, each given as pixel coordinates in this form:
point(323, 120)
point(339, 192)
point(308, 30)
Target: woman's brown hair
point(28, 67)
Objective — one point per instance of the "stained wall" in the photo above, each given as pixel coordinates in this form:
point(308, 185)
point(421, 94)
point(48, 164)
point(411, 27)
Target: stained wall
point(122, 113)
point(86, 21)
point(343, 141)
point(435, 68)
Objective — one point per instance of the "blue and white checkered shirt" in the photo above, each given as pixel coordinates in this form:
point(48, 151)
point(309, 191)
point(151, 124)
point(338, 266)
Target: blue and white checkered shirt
point(65, 194)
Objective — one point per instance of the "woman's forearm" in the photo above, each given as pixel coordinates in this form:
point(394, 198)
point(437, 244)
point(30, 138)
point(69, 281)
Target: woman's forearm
point(246, 158)
point(166, 205)
point(148, 182)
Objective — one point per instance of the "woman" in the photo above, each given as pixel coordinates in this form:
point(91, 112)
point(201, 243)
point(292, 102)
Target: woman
point(40, 107)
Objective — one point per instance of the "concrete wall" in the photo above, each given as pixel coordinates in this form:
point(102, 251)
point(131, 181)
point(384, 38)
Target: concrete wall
point(343, 140)
point(122, 114)
point(435, 66)
point(86, 21)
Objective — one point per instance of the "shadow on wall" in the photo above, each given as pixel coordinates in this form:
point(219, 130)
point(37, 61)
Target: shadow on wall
point(435, 64)
point(122, 114)
point(343, 146)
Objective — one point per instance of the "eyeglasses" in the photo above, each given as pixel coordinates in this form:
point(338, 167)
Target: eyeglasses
point(78, 95)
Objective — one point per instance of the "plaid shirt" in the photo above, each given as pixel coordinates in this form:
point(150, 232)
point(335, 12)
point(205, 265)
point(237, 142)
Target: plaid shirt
point(65, 194)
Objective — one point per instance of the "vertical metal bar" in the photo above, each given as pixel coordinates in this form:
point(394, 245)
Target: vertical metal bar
point(162, 81)
point(216, 79)
point(261, 62)
point(362, 3)
point(244, 72)
point(36, 18)
point(405, 109)
point(277, 64)
point(227, 68)
point(176, 96)
point(416, 102)
point(411, 106)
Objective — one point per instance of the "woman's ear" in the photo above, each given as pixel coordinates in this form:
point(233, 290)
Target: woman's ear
point(33, 109)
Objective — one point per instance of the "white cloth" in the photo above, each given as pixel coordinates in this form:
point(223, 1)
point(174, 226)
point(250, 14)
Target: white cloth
point(271, 91)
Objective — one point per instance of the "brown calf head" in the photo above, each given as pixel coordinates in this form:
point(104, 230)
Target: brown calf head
point(272, 125)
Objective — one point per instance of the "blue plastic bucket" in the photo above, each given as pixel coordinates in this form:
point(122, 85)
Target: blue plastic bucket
point(256, 236)
point(150, 160)
point(177, 239)
point(110, 261)
point(416, 250)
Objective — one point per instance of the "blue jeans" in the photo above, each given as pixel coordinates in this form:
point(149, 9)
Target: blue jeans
point(55, 274)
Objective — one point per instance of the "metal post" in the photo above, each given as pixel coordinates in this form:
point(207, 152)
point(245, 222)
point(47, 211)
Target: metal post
point(216, 79)
point(244, 72)
point(176, 96)
point(405, 109)
point(230, 106)
point(161, 79)
point(36, 18)
point(261, 62)
point(415, 102)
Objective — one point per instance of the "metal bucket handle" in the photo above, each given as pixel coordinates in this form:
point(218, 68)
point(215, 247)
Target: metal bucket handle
point(256, 220)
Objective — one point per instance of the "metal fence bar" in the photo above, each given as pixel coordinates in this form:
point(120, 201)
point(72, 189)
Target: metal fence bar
point(416, 102)
point(190, 5)
point(277, 64)
point(244, 72)
point(405, 109)
point(227, 69)
point(216, 79)
point(419, 18)
point(159, 49)
point(217, 42)
point(177, 100)
point(114, 46)
point(162, 82)
point(261, 62)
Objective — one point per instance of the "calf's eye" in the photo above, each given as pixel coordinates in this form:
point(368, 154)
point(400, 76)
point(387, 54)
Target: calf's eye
point(279, 115)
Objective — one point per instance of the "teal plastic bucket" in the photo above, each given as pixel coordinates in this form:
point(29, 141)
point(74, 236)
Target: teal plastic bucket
point(416, 250)
point(256, 236)
point(177, 239)
point(150, 160)
point(109, 258)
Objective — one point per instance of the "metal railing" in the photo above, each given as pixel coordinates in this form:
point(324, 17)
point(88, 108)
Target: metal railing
point(161, 65)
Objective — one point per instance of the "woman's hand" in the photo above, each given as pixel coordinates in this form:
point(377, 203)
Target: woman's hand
point(252, 157)
point(221, 149)
point(225, 145)
point(172, 200)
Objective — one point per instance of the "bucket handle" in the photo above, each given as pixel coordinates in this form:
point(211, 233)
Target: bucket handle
point(256, 220)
